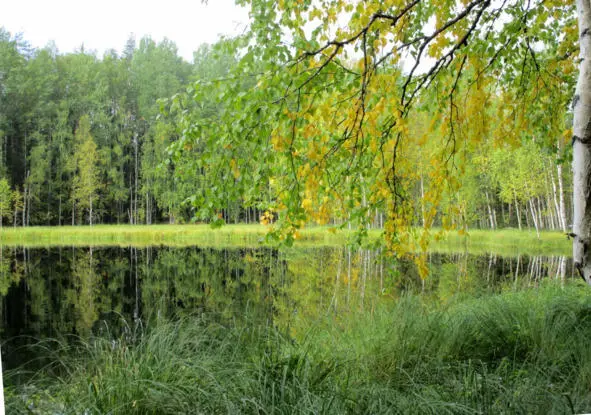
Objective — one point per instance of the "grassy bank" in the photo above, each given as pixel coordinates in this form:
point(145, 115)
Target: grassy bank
point(153, 235)
point(524, 352)
point(505, 242)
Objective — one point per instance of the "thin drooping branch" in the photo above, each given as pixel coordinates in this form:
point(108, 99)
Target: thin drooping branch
point(354, 129)
point(375, 17)
point(448, 57)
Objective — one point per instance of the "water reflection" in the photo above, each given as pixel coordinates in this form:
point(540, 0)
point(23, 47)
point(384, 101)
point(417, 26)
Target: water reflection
point(60, 291)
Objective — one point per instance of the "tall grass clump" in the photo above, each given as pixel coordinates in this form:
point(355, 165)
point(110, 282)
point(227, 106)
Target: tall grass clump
point(188, 366)
point(515, 352)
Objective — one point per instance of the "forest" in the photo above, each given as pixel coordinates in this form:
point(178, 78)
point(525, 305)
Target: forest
point(351, 207)
point(81, 142)
point(88, 140)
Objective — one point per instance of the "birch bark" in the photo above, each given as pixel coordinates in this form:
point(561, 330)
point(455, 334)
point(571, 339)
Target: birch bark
point(582, 148)
point(562, 210)
point(561, 198)
point(559, 215)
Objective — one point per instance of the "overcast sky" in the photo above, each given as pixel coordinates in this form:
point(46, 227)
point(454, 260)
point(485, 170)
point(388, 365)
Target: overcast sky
point(107, 24)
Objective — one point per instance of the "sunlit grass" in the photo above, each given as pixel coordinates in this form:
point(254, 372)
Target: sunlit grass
point(516, 352)
point(151, 235)
point(506, 241)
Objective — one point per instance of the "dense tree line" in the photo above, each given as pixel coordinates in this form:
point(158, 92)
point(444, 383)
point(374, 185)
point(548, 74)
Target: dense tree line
point(85, 139)
point(377, 117)
point(79, 137)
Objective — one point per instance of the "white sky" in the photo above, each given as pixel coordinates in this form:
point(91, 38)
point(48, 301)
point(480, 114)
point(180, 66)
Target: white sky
point(107, 24)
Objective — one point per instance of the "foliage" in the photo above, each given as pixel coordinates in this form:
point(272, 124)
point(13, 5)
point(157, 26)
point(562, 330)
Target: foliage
point(45, 95)
point(85, 182)
point(340, 109)
point(282, 125)
point(5, 200)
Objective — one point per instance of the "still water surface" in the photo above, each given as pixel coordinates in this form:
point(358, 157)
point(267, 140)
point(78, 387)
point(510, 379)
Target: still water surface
point(56, 292)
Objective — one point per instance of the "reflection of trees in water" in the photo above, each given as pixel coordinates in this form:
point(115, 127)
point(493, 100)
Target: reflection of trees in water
point(227, 281)
point(68, 290)
point(462, 273)
point(85, 292)
point(11, 271)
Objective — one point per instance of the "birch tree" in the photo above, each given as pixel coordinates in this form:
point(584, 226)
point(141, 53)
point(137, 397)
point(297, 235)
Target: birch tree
point(339, 83)
point(85, 183)
point(582, 147)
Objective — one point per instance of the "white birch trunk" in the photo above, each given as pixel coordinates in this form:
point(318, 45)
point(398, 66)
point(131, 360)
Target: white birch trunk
point(518, 213)
point(539, 210)
point(490, 215)
point(495, 218)
point(552, 214)
point(561, 198)
point(25, 188)
point(582, 148)
point(559, 206)
point(534, 218)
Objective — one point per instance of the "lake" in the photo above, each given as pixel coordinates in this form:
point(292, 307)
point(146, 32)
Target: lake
point(57, 292)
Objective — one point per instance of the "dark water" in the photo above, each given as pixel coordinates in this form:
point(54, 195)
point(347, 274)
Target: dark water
point(52, 293)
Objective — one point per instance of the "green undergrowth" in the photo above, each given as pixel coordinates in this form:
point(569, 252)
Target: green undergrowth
point(517, 352)
point(503, 242)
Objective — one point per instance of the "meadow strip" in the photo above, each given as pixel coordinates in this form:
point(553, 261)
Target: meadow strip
point(507, 242)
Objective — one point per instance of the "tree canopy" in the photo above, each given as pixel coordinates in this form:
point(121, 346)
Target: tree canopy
point(340, 109)
point(401, 115)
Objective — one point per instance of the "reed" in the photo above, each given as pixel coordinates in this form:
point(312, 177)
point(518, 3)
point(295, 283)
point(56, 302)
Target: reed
point(515, 352)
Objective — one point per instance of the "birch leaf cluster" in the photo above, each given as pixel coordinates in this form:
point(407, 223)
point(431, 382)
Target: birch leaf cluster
point(338, 110)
